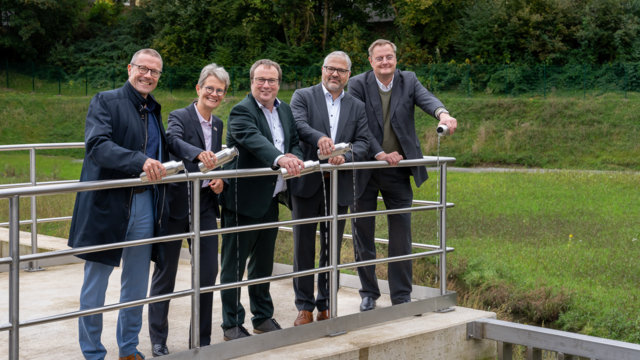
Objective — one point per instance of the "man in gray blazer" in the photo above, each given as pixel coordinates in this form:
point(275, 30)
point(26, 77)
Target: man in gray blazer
point(390, 97)
point(324, 115)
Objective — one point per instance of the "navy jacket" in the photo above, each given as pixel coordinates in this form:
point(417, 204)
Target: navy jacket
point(186, 141)
point(115, 132)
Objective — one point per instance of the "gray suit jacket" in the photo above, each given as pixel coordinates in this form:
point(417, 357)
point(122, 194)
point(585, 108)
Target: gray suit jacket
point(186, 141)
point(407, 92)
point(309, 109)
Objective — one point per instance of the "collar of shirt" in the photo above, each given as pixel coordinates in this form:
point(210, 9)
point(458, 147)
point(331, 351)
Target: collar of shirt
point(201, 118)
point(329, 96)
point(384, 87)
point(276, 104)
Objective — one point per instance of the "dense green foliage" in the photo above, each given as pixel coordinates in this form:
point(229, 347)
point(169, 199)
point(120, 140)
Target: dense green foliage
point(76, 33)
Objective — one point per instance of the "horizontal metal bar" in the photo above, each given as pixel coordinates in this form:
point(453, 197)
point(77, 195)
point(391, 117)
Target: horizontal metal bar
point(240, 173)
point(390, 259)
point(42, 146)
point(553, 340)
point(41, 221)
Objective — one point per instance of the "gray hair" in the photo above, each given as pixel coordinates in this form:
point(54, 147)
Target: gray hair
point(266, 63)
point(216, 71)
point(150, 52)
point(381, 42)
point(341, 54)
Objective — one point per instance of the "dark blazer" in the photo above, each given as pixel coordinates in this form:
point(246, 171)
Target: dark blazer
point(186, 141)
point(312, 121)
point(407, 92)
point(115, 131)
point(248, 130)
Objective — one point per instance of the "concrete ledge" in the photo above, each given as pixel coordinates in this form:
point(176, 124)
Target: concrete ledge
point(431, 336)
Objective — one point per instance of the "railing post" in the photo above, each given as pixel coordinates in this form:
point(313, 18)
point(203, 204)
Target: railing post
point(195, 267)
point(533, 353)
point(443, 228)
point(333, 284)
point(14, 271)
point(33, 265)
point(505, 351)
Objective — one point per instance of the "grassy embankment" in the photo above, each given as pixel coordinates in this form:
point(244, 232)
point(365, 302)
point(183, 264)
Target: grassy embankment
point(556, 248)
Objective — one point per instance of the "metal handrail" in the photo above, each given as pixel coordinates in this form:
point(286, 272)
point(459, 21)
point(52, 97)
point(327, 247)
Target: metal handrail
point(14, 259)
point(538, 338)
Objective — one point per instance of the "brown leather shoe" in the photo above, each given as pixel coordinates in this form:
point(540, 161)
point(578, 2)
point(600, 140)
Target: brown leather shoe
point(323, 315)
point(135, 356)
point(304, 317)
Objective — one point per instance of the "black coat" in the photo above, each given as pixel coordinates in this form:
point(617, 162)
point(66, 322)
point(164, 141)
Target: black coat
point(115, 132)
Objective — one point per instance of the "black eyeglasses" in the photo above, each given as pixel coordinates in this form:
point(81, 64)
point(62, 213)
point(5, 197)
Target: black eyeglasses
point(142, 70)
point(331, 70)
point(211, 90)
point(261, 81)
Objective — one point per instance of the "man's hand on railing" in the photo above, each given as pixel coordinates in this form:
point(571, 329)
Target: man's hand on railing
point(392, 158)
point(154, 169)
point(291, 163)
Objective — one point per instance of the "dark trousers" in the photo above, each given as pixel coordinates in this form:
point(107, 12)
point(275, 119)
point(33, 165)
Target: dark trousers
point(395, 187)
point(164, 273)
point(258, 246)
point(304, 248)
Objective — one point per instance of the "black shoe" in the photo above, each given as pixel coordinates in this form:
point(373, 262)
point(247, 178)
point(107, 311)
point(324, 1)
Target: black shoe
point(266, 326)
point(235, 332)
point(159, 350)
point(368, 303)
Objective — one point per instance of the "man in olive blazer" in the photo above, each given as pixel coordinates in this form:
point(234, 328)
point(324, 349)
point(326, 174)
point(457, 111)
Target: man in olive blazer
point(390, 98)
point(261, 127)
point(325, 115)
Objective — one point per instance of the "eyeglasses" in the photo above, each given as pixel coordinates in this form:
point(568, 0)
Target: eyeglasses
point(330, 70)
point(261, 81)
point(211, 90)
point(142, 70)
point(381, 58)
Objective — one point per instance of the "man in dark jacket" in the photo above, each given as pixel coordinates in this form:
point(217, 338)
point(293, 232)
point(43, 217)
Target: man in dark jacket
point(324, 115)
point(261, 127)
point(390, 97)
point(124, 136)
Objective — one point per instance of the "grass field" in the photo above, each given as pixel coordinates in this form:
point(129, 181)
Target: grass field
point(552, 248)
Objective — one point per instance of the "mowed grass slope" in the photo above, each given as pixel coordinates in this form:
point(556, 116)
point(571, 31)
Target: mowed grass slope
point(554, 248)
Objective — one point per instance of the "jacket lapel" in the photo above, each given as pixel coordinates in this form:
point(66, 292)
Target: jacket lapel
point(376, 102)
point(196, 125)
point(396, 94)
point(320, 104)
point(345, 109)
point(263, 124)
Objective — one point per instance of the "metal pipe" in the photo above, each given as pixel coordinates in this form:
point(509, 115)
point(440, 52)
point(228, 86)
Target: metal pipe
point(14, 280)
point(33, 265)
point(443, 228)
point(334, 260)
point(195, 267)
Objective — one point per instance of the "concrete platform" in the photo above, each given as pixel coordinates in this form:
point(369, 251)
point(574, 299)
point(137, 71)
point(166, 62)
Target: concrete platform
point(57, 288)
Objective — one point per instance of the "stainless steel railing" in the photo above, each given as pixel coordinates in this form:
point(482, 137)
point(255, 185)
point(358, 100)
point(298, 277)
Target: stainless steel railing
point(446, 299)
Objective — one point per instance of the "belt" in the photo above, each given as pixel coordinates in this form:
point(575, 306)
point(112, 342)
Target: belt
point(139, 189)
